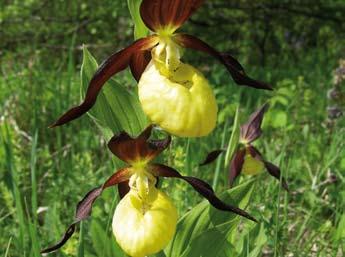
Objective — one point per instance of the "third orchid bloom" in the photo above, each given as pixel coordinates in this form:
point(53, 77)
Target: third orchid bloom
point(145, 219)
point(247, 159)
point(174, 95)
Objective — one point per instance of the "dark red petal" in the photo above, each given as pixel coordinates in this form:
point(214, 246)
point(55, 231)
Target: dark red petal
point(158, 14)
point(271, 168)
point(69, 232)
point(236, 165)
point(138, 63)
point(233, 66)
point(254, 153)
point(84, 207)
point(131, 149)
point(123, 189)
point(275, 172)
point(114, 64)
point(251, 130)
point(212, 156)
point(201, 187)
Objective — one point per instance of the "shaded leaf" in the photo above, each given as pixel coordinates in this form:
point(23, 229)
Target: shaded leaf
point(213, 242)
point(203, 217)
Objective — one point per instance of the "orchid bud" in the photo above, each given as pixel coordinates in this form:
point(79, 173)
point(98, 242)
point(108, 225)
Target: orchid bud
point(144, 227)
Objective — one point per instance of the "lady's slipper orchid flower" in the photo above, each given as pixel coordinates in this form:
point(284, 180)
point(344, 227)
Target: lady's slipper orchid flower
point(247, 158)
point(145, 219)
point(174, 95)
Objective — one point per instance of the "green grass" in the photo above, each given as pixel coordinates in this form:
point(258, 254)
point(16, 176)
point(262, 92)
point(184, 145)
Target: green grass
point(51, 169)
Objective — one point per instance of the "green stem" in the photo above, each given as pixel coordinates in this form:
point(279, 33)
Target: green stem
point(219, 161)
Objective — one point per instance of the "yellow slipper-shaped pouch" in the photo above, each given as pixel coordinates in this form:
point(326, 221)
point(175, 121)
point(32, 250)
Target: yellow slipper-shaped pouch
point(145, 227)
point(180, 101)
point(252, 166)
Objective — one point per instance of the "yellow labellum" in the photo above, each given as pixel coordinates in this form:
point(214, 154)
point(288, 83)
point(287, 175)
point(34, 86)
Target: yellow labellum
point(145, 227)
point(179, 101)
point(252, 166)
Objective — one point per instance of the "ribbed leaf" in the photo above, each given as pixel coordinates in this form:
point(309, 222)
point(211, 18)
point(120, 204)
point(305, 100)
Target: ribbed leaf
point(203, 218)
point(116, 108)
point(213, 242)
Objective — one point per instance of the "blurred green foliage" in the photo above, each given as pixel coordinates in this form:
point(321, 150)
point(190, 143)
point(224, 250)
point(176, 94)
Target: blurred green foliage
point(293, 44)
point(260, 29)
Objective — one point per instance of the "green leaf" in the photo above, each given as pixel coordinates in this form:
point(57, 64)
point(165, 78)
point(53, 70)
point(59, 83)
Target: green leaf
point(213, 242)
point(340, 231)
point(140, 30)
point(251, 240)
point(279, 119)
point(116, 108)
point(235, 135)
point(204, 217)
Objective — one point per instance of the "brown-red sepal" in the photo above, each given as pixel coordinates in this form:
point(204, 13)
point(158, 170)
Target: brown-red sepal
point(272, 169)
point(236, 165)
point(114, 64)
point(69, 232)
point(251, 130)
point(84, 207)
point(161, 14)
point(160, 170)
point(202, 187)
point(212, 156)
point(233, 66)
point(275, 172)
point(131, 149)
point(138, 63)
